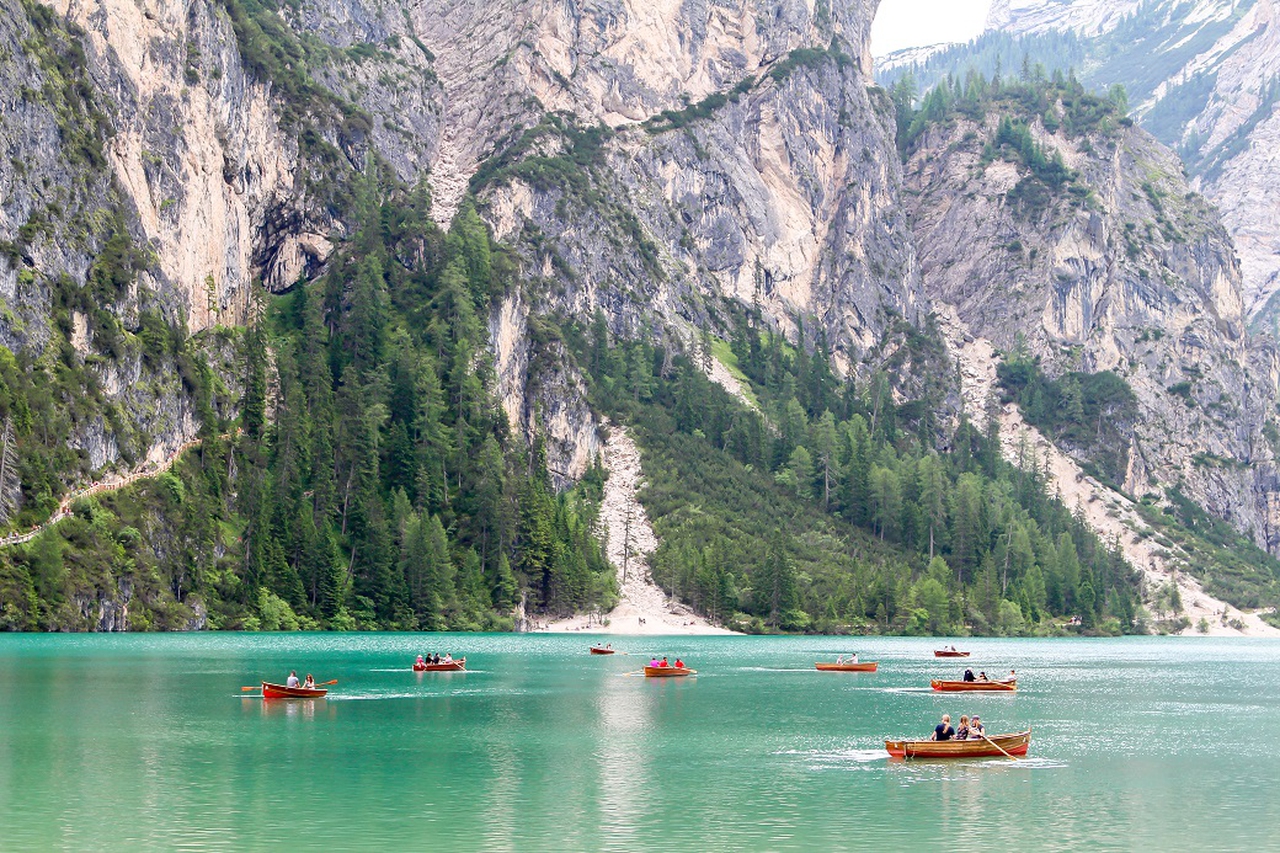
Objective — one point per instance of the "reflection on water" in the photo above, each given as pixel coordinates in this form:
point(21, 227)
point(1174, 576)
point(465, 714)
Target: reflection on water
point(627, 745)
point(143, 743)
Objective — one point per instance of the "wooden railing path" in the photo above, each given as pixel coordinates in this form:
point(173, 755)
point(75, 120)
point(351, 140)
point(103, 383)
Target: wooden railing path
point(110, 484)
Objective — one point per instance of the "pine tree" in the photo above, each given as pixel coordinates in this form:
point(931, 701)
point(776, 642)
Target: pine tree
point(10, 484)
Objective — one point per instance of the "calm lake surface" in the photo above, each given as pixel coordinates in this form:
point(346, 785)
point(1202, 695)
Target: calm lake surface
point(147, 742)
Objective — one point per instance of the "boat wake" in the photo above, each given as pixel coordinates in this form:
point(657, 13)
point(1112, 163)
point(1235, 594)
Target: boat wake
point(827, 759)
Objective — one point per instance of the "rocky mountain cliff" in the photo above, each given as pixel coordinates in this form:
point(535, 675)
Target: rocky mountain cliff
point(1095, 256)
point(662, 168)
point(1202, 77)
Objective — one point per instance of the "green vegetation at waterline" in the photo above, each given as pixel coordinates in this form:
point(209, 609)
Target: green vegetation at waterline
point(841, 510)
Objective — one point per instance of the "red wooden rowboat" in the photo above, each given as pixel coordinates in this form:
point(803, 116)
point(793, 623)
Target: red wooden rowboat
point(458, 665)
point(601, 650)
point(957, 686)
point(280, 691)
point(869, 666)
point(668, 671)
point(1012, 744)
point(949, 653)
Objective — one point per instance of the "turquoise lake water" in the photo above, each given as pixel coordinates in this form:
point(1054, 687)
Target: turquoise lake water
point(146, 742)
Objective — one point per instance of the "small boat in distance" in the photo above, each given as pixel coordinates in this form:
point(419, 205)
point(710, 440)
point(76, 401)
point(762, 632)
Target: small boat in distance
point(869, 666)
point(949, 653)
point(280, 691)
point(458, 665)
point(602, 650)
point(1011, 744)
point(957, 686)
point(668, 671)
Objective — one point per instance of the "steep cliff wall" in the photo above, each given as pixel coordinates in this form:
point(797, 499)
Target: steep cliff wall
point(778, 191)
point(608, 61)
point(96, 368)
point(1203, 78)
point(1123, 270)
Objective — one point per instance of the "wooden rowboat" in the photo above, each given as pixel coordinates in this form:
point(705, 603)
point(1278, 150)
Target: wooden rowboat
point(957, 686)
point(948, 653)
point(458, 665)
point(668, 671)
point(1012, 744)
point(869, 666)
point(599, 650)
point(280, 691)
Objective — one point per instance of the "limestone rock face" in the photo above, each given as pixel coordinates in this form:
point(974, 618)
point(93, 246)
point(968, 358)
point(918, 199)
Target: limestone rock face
point(1215, 101)
point(783, 194)
point(1138, 279)
point(197, 149)
point(1033, 16)
point(771, 201)
point(612, 61)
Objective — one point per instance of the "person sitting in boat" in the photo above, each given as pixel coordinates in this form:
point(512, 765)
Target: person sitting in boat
point(436, 659)
point(448, 658)
point(968, 675)
point(976, 729)
point(292, 680)
point(420, 661)
point(953, 648)
point(653, 661)
point(943, 730)
point(664, 661)
point(962, 731)
point(982, 676)
point(679, 664)
point(310, 683)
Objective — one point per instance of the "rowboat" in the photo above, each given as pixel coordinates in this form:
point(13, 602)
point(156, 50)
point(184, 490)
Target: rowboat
point(668, 671)
point(949, 653)
point(280, 691)
point(1012, 744)
point(600, 650)
point(452, 666)
point(957, 686)
point(869, 666)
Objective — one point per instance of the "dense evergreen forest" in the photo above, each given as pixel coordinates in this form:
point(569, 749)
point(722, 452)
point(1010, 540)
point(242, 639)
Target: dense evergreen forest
point(368, 482)
point(832, 508)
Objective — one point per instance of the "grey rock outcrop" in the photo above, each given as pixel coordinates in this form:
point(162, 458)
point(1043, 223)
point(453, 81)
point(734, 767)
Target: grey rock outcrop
point(1214, 100)
point(1138, 280)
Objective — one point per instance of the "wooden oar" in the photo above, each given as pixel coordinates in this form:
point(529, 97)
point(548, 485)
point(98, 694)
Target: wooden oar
point(997, 746)
point(321, 684)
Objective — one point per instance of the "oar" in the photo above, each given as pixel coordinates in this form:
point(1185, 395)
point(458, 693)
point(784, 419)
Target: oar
point(997, 746)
